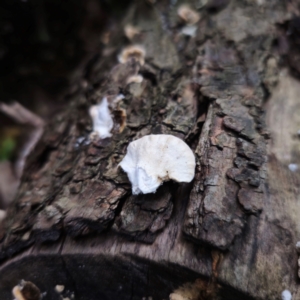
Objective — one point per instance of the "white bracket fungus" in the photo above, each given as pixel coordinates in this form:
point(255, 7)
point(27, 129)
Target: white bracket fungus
point(134, 51)
point(153, 159)
point(102, 120)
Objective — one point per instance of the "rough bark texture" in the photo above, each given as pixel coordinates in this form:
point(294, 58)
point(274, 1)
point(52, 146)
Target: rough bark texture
point(232, 230)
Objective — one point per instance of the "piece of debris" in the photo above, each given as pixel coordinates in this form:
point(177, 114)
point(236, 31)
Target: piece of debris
point(26, 290)
point(194, 291)
point(22, 115)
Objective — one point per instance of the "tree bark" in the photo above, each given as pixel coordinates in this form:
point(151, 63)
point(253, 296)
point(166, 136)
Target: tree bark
point(229, 92)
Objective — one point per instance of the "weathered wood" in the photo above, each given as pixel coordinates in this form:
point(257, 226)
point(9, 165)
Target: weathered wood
point(234, 228)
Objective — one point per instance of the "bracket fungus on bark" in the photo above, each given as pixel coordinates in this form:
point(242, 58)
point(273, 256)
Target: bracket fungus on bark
point(102, 120)
point(153, 159)
point(135, 51)
point(188, 15)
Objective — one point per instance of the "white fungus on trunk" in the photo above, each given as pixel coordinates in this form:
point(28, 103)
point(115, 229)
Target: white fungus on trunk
point(188, 15)
point(102, 120)
point(286, 295)
point(153, 159)
point(189, 30)
point(135, 51)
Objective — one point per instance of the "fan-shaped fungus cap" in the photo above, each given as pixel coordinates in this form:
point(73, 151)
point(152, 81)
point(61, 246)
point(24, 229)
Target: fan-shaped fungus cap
point(102, 120)
point(153, 159)
point(26, 290)
point(188, 15)
point(135, 51)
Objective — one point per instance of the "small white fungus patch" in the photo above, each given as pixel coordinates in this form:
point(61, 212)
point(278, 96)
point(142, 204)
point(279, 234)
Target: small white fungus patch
point(102, 120)
point(117, 99)
point(153, 159)
point(286, 295)
point(131, 31)
point(189, 30)
point(175, 296)
point(188, 15)
point(135, 79)
point(59, 288)
point(293, 167)
point(135, 51)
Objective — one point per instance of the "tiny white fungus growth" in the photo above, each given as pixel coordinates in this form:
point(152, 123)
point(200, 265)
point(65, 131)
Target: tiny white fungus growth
point(286, 295)
point(131, 31)
point(153, 159)
point(102, 120)
point(188, 15)
point(175, 296)
point(135, 51)
point(135, 79)
point(118, 98)
point(293, 167)
point(189, 30)
point(59, 288)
